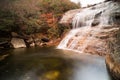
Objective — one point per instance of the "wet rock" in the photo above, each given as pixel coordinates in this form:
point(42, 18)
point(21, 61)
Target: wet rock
point(96, 47)
point(37, 41)
point(116, 18)
point(95, 23)
point(100, 40)
point(45, 39)
point(30, 40)
point(96, 19)
point(43, 44)
point(32, 44)
point(98, 15)
point(18, 43)
point(68, 16)
point(113, 67)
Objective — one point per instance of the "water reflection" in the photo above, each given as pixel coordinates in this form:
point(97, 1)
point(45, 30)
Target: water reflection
point(51, 64)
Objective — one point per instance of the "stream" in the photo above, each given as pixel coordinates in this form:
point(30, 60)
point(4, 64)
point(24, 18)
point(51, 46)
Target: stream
point(49, 63)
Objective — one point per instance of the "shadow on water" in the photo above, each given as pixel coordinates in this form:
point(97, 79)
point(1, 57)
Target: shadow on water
point(51, 64)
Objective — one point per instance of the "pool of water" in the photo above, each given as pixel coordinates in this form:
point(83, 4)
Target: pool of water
point(52, 64)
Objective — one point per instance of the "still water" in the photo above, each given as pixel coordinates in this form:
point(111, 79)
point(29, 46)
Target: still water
point(52, 64)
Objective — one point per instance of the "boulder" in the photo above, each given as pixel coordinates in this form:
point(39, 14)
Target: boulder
point(45, 39)
point(18, 43)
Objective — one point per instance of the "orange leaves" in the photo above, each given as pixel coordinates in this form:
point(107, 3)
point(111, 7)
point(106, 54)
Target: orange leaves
point(49, 19)
point(47, 15)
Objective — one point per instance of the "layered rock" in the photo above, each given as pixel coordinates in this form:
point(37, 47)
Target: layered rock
point(92, 28)
point(96, 30)
point(67, 17)
point(113, 67)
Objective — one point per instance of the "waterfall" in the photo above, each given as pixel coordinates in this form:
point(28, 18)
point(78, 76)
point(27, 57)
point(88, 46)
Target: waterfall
point(87, 24)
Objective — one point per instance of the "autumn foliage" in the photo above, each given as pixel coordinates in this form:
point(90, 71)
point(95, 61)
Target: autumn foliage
point(34, 16)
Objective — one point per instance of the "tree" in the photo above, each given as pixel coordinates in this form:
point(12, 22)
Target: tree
point(31, 16)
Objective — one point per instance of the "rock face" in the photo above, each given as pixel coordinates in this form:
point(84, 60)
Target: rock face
point(18, 43)
point(96, 30)
point(93, 27)
point(113, 67)
point(67, 17)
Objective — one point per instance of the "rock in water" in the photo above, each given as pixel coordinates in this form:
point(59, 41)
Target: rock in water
point(18, 43)
point(45, 39)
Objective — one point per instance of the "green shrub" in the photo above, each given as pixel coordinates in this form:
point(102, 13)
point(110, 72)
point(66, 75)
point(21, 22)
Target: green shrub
point(25, 15)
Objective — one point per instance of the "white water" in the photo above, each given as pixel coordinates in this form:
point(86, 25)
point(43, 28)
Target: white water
point(101, 12)
point(79, 37)
point(85, 3)
point(74, 37)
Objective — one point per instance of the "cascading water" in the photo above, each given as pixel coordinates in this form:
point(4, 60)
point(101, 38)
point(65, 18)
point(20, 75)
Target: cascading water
point(87, 23)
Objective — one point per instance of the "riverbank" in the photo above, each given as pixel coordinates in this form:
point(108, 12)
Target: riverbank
point(113, 67)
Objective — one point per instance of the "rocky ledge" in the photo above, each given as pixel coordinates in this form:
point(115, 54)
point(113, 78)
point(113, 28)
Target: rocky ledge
point(113, 67)
point(101, 37)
